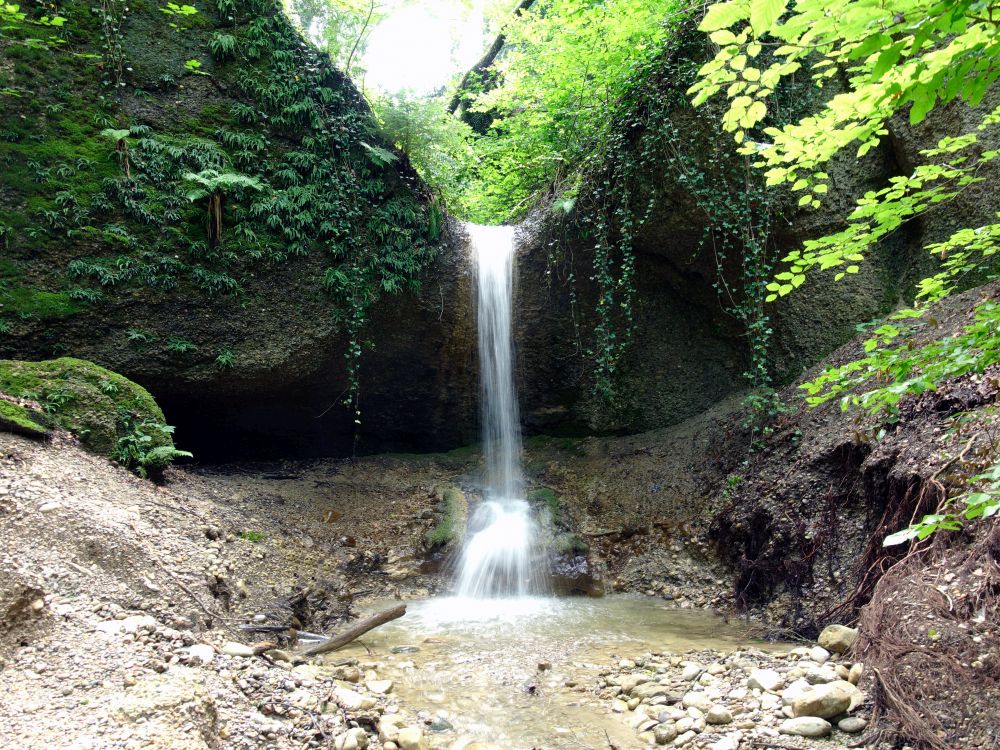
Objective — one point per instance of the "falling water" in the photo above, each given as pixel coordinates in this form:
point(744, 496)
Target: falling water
point(496, 560)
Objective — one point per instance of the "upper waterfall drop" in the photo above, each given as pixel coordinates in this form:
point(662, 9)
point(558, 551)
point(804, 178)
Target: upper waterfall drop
point(497, 558)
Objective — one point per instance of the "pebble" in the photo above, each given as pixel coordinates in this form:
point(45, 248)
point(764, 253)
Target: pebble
point(232, 648)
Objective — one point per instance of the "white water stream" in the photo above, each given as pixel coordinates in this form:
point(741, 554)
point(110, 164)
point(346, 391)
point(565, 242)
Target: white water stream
point(497, 558)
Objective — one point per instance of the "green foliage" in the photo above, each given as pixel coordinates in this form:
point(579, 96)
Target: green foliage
point(145, 447)
point(904, 55)
point(226, 359)
point(438, 145)
point(252, 536)
point(179, 345)
point(565, 66)
point(222, 46)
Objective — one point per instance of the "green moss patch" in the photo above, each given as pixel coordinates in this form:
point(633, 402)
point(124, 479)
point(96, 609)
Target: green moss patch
point(22, 421)
point(36, 303)
point(100, 407)
point(451, 528)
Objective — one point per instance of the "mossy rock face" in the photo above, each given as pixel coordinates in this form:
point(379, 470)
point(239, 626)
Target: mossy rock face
point(97, 405)
point(450, 529)
point(21, 420)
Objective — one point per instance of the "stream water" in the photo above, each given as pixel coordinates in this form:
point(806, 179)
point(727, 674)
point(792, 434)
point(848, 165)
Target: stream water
point(474, 667)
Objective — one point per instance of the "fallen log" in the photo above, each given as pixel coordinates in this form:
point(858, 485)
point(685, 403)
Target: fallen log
point(332, 644)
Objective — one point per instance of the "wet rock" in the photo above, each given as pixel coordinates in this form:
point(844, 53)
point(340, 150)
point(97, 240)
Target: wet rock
point(837, 638)
point(379, 687)
point(806, 726)
point(405, 649)
point(411, 738)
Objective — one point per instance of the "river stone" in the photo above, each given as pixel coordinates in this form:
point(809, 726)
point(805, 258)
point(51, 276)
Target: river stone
point(691, 670)
point(726, 743)
point(665, 734)
point(823, 701)
point(411, 738)
point(630, 682)
point(697, 700)
point(821, 676)
point(806, 726)
point(719, 715)
point(764, 679)
point(200, 653)
point(128, 625)
point(232, 648)
point(852, 725)
point(379, 687)
point(837, 638)
point(650, 690)
point(854, 675)
point(793, 691)
point(388, 727)
point(819, 654)
point(352, 739)
point(352, 700)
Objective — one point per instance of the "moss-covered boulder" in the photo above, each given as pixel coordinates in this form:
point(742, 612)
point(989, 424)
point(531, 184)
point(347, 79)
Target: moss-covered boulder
point(22, 420)
point(111, 415)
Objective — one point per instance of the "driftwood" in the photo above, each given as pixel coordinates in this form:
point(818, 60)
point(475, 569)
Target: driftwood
point(357, 631)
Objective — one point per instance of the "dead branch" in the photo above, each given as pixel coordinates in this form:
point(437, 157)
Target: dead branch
point(357, 631)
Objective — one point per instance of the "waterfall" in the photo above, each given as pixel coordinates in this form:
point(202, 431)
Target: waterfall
point(496, 560)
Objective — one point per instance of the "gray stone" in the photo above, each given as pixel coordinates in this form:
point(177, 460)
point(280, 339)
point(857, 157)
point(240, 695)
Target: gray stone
point(719, 715)
point(837, 638)
point(852, 725)
point(855, 673)
point(764, 679)
point(824, 701)
point(806, 726)
point(665, 734)
point(411, 738)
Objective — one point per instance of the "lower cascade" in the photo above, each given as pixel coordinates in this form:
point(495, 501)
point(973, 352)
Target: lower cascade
point(497, 558)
